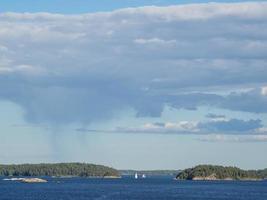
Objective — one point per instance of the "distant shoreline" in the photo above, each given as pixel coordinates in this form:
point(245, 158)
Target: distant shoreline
point(72, 170)
point(221, 173)
point(58, 170)
point(149, 172)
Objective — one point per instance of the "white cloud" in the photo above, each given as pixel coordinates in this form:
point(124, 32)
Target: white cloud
point(5, 70)
point(155, 41)
point(23, 69)
point(264, 91)
point(200, 11)
point(180, 127)
point(262, 130)
point(89, 67)
point(3, 49)
point(224, 128)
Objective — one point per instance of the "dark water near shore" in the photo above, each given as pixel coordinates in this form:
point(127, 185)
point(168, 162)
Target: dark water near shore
point(158, 188)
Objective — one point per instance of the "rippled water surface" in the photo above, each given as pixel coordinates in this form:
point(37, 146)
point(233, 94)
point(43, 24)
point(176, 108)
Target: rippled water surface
point(129, 188)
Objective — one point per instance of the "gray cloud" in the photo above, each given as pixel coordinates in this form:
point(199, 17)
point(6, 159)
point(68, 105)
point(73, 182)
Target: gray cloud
point(85, 68)
point(214, 116)
point(232, 125)
point(221, 126)
point(252, 101)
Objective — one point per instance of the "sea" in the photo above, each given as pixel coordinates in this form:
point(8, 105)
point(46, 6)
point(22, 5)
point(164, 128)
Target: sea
point(150, 188)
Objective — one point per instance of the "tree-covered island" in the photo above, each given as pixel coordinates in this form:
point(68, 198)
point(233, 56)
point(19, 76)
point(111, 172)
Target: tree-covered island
point(59, 169)
point(212, 172)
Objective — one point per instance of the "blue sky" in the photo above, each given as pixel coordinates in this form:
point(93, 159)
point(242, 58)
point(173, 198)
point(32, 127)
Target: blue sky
point(140, 88)
point(84, 6)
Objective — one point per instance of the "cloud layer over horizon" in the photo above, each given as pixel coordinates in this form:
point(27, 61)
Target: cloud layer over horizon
point(206, 127)
point(87, 68)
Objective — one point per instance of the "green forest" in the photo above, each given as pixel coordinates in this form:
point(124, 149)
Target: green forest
point(221, 172)
point(59, 169)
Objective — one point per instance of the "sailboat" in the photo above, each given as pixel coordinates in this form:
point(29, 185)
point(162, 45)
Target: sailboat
point(136, 176)
point(143, 176)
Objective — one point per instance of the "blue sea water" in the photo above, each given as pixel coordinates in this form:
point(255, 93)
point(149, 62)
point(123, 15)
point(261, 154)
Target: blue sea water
point(154, 188)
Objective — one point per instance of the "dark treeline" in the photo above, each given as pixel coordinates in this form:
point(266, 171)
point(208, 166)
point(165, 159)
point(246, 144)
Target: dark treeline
point(221, 172)
point(59, 169)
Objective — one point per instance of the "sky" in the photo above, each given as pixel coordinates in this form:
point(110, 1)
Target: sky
point(134, 84)
point(85, 6)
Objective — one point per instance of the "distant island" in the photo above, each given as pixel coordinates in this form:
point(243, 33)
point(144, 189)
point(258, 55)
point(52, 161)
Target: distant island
point(150, 172)
point(212, 172)
point(59, 170)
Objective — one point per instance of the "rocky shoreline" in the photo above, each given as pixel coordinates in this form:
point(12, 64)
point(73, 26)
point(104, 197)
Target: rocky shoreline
point(27, 180)
point(224, 179)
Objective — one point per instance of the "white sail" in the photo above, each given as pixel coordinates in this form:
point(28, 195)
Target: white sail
point(136, 176)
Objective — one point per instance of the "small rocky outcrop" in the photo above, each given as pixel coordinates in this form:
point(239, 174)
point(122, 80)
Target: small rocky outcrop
point(26, 180)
